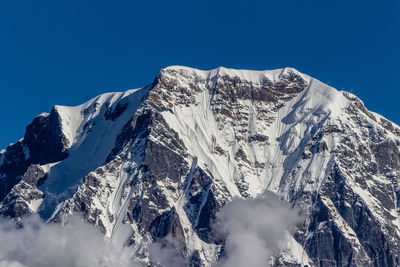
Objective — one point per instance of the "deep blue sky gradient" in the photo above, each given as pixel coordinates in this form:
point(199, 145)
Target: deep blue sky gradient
point(66, 52)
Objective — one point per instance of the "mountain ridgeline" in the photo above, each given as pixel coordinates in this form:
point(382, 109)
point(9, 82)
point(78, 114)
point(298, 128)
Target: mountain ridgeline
point(158, 163)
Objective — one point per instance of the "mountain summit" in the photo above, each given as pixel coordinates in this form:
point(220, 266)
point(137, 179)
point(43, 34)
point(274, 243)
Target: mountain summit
point(161, 161)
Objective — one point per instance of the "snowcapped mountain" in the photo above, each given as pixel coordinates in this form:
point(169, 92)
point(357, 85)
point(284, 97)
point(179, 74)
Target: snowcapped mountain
point(162, 160)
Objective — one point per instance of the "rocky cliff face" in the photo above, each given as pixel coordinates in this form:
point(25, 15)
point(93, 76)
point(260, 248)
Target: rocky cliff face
point(161, 161)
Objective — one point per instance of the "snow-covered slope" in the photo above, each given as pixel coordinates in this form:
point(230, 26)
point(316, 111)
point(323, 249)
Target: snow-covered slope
point(163, 160)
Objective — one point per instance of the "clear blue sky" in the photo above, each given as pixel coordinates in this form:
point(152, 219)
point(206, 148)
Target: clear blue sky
point(65, 52)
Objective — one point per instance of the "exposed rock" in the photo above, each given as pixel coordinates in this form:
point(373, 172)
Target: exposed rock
point(113, 114)
point(192, 140)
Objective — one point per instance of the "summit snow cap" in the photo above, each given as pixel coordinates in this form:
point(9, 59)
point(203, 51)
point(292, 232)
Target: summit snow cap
point(255, 76)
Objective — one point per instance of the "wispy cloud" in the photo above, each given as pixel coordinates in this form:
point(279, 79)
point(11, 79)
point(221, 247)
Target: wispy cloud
point(169, 252)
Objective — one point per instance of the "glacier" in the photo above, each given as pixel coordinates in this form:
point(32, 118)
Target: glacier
point(163, 160)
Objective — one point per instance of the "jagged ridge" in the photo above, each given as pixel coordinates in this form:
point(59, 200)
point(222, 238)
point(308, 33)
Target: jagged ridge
point(165, 159)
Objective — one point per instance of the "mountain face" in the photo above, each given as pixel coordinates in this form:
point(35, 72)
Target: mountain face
point(162, 161)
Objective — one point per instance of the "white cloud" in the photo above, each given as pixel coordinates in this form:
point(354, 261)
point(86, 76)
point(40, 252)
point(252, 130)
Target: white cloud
point(76, 244)
point(254, 229)
point(168, 252)
point(6, 263)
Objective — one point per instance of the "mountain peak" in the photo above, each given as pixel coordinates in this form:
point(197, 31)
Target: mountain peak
point(255, 76)
point(162, 161)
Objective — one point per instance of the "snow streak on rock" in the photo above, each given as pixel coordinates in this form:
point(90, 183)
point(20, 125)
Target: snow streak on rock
point(158, 163)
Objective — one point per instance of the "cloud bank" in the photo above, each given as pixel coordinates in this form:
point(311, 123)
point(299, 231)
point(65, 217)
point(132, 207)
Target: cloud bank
point(253, 230)
point(76, 244)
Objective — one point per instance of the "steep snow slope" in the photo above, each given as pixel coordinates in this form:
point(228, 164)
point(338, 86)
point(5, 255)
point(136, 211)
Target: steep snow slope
point(87, 134)
point(163, 160)
point(91, 129)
